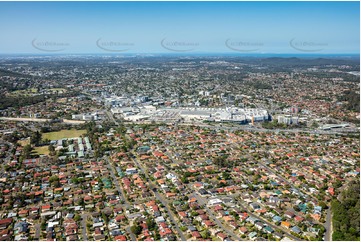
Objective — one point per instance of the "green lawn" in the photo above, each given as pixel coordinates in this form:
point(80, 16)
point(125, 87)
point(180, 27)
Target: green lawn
point(42, 150)
point(63, 134)
point(26, 92)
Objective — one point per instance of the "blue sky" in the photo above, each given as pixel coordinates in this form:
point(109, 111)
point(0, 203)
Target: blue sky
point(166, 27)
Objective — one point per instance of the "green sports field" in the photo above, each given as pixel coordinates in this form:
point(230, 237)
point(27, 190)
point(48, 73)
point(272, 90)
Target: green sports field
point(63, 134)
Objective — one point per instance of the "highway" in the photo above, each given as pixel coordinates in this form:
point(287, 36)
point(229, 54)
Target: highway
point(40, 120)
point(219, 126)
point(111, 117)
point(234, 127)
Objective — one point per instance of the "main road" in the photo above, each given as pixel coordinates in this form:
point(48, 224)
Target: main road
point(111, 117)
point(226, 126)
point(40, 120)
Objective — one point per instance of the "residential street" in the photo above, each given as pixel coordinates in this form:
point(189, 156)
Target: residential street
point(162, 200)
point(37, 231)
point(203, 201)
point(328, 225)
point(116, 183)
point(84, 218)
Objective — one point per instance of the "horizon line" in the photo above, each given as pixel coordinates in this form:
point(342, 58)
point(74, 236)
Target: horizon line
point(174, 53)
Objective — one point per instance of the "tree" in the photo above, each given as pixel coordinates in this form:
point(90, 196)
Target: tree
point(43, 225)
point(105, 218)
point(205, 234)
point(314, 124)
point(136, 229)
point(323, 205)
point(74, 180)
point(77, 218)
point(53, 179)
point(26, 152)
point(150, 223)
point(51, 149)
point(346, 213)
point(35, 138)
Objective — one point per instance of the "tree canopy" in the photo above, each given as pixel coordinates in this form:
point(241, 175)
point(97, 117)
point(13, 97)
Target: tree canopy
point(346, 214)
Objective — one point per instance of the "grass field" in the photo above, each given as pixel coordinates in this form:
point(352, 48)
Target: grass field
point(59, 90)
point(63, 134)
point(42, 150)
point(24, 142)
point(32, 91)
point(26, 92)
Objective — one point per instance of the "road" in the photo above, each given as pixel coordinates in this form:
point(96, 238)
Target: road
point(281, 177)
point(223, 126)
point(84, 218)
point(162, 200)
point(170, 214)
point(132, 236)
point(40, 120)
point(258, 129)
point(203, 201)
point(200, 198)
point(37, 231)
point(111, 117)
point(328, 225)
point(116, 182)
point(121, 193)
point(267, 222)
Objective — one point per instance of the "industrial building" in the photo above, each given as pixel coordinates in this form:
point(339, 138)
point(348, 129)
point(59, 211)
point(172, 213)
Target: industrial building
point(188, 114)
point(237, 115)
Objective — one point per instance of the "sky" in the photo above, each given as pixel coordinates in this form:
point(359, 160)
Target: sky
point(180, 27)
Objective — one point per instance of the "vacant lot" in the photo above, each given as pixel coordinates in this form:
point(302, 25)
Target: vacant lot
point(24, 142)
point(63, 134)
point(42, 150)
